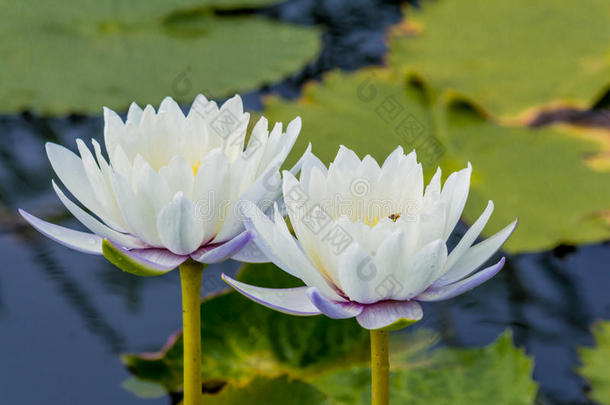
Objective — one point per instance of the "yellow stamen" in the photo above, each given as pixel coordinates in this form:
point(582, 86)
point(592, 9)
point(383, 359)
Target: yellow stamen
point(195, 167)
point(372, 223)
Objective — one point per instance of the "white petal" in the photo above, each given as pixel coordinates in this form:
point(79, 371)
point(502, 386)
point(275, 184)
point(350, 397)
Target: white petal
point(310, 161)
point(103, 194)
point(346, 160)
point(433, 189)
point(134, 114)
point(71, 171)
point(392, 258)
point(280, 247)
point(81, 241)
point(137, 212)
point(179, 176)
point(470, 236)
point(150, 185)
point(96, 226)
point(423, 269)
point(476, 256)
point(179, 227)
point(359, 276)
point(455, 194)
point(113, 130)
point(210, 191)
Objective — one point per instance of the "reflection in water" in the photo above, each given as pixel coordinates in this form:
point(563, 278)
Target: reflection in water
point(92, 318)
point(130, 289)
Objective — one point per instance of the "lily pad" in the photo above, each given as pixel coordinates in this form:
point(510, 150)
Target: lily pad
point(595, 364)
point(264, 390)
point(541, 175)
point(107, 54)
point(450, 376)
point(510, 57)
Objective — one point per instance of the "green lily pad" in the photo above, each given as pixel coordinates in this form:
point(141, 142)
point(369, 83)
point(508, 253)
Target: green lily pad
point(595, 364)
point(450, 376)
point(510, 57)
point(107, 54)
point(541, 175)
point(242, 339)
point(264, 390)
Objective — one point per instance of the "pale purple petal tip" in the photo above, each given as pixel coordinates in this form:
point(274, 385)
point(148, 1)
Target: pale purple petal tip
point(293, 301)
point(460, 287)
point(333, 309)
point(219, 252)
point(390, 315)
point(152, 259)
point(161, 258)
point(81, 241)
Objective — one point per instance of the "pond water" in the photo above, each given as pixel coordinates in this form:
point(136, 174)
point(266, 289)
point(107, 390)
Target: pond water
point(65, 317)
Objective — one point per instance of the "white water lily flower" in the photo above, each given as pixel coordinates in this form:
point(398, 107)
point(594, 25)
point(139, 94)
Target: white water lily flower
point(371, 242)
point(172, 185)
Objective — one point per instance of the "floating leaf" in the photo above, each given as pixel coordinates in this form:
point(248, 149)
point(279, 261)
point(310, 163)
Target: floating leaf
point(541, 175)
point(450, 376)
point(595, 364)
point(143, 389)
point(100, 55)
point(264, 390)
point(509, 56)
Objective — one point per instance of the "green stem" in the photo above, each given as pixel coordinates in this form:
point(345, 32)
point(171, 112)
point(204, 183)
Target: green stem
point(380, 368)
point(191, 273)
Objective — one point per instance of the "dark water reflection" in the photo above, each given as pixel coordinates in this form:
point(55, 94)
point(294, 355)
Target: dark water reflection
point(65, 316)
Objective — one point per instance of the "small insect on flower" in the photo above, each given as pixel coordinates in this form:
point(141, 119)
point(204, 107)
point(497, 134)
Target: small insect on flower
point(172, 186)
point(371, 255)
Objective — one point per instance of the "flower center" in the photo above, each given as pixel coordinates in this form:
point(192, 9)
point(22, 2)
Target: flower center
point(373, 222)
point(195, 167)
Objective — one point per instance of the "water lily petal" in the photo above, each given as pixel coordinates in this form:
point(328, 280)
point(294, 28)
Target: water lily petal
point(96, 226)
point(333, 309)
point(251, 253)
point(137, 212)
point(293, 301)
point(359, 276)
point(276, 242)
point(81, 241)
point(449, 291)
point(423, 269)
point(219, 252)
point(476, 256)
point(309, 161)
point(470, 236)
point(141, 262)
point(390, 315)
point(179, 226)
point(71, 171)
point(454, 194)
